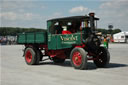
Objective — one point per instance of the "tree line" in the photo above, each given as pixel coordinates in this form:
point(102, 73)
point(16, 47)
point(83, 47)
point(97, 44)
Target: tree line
point(14, 30)
point(108, 31)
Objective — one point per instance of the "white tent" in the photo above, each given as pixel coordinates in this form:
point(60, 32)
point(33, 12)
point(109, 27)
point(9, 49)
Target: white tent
point(120, 37)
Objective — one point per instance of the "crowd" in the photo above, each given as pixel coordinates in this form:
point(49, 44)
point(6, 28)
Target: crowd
point(7, 40)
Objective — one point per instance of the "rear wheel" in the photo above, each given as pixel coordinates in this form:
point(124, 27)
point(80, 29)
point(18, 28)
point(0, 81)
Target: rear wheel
point(78, 58)
point(32, 56)
point(103, 58)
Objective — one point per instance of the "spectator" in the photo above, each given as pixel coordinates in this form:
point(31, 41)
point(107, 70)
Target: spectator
point(105, 42)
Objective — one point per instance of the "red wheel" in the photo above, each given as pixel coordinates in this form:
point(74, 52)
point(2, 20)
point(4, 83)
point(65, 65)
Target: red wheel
point(28, 56)
point(32, 56)
point(78, 58)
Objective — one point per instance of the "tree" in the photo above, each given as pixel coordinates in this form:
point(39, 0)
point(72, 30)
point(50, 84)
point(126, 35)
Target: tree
point(104, 31)
point(14, 30)
point(116, 31)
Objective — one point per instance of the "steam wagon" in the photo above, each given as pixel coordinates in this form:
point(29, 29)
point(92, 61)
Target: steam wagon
point(71, 38)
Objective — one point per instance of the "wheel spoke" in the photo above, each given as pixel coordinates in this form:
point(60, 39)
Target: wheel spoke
point(77, 60)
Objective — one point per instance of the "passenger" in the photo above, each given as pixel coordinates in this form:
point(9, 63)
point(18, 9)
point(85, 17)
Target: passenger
point(58, 28)
point(65, 31)
point(69, 27)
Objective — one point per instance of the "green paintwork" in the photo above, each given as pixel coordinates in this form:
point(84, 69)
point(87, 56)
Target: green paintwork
point(37, 37)
point(56, 41)
point(60, 41)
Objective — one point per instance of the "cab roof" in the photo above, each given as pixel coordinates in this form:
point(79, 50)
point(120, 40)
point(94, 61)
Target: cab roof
point(72, 18)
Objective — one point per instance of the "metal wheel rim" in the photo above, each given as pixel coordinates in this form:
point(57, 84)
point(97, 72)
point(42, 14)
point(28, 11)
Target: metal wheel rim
point(28, 56)
point(77, 58)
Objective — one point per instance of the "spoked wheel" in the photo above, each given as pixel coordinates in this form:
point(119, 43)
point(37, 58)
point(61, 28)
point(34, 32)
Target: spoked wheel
point(103, 58)
point(32, 56)
point(79, 58)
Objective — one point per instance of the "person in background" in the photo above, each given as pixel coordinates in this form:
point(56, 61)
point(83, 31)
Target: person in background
point(105, 42)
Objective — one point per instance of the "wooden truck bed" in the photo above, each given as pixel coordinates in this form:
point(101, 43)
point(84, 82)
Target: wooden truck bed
point(26, 38)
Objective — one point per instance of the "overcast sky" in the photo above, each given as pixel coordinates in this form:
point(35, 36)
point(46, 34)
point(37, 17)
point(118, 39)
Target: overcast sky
point(35, 13)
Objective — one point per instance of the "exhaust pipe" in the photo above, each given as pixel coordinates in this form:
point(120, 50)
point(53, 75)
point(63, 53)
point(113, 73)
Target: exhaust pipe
point(92, 23)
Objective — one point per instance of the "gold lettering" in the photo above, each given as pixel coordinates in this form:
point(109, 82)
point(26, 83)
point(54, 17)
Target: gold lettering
point(61, 38)
point(71, 38)
point(66, 39)
point(76, 37)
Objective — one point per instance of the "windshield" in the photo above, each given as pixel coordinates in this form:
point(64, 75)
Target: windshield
point(58, 27)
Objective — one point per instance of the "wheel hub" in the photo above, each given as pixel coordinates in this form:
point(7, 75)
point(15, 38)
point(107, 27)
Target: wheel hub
point(77, 58)
point(28, 56)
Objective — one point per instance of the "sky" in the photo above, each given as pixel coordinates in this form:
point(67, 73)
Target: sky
point(35, 13)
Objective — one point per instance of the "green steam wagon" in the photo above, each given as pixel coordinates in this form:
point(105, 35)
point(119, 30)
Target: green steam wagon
point(71, 38)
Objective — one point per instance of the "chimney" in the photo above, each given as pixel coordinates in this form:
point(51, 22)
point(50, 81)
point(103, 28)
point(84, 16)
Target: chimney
point(92, 23)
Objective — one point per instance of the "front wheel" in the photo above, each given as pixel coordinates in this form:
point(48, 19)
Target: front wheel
point(78, 58)
point(103, 57)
